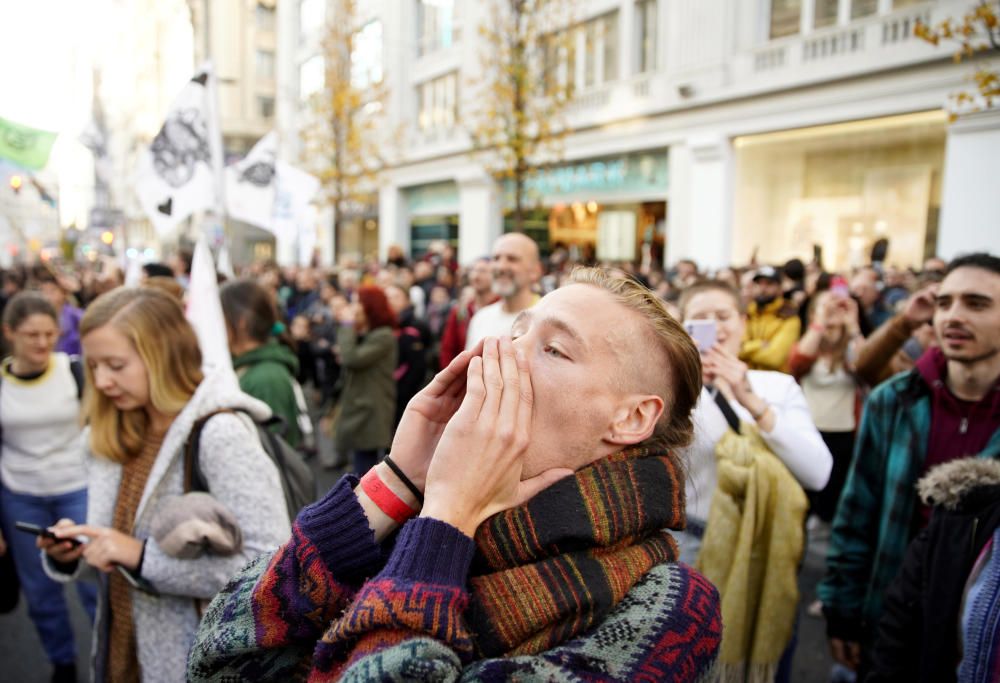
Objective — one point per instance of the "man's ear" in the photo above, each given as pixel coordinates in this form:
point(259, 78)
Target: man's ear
point(636, 420)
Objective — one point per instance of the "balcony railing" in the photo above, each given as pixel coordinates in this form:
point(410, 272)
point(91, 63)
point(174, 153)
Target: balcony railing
point(863, 37)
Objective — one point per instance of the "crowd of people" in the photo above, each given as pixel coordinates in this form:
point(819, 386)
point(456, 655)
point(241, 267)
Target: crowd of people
point(554, 469)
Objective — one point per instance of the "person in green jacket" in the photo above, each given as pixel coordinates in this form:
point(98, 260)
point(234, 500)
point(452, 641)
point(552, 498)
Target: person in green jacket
point(368, 353)
point(262, 354)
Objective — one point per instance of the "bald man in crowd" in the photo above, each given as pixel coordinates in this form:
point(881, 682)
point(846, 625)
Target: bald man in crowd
point(516, 268)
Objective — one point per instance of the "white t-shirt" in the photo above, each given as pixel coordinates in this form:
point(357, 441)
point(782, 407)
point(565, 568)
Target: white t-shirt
point(489, 321)
point(42, 452)
point(794, 439)
point(830, 395)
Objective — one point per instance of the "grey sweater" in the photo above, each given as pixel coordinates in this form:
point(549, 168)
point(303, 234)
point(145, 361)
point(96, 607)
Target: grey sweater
point(239, 474)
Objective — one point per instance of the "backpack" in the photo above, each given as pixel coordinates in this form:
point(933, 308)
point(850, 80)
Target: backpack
point(298, 484)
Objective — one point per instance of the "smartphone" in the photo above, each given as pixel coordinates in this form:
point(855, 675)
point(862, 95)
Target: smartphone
point(29, 528)
point(703, 332)
point(839, 287)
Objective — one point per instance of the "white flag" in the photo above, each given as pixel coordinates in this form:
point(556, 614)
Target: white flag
point(181, 171)
point(225, 264)
point(204, 312)
point(250, 184)
point(294, 220)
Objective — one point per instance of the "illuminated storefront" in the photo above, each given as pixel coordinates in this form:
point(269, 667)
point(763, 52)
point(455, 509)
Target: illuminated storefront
point(842, 187)
point(609, 207)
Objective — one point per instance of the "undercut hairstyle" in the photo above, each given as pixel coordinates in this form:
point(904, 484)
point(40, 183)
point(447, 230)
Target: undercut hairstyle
point(154, 323)
point(980, 259)
point(23, 305)
point(679, 384)
point(376, 307)
point(710, 286)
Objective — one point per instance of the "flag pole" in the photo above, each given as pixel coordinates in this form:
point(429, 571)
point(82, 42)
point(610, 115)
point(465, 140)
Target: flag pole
point(218, 160)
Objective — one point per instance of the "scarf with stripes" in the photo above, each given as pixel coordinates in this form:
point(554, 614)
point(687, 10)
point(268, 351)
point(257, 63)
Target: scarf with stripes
point(552, 568)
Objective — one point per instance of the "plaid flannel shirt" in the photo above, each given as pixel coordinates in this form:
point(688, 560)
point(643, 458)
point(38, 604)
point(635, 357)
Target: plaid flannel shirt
point(875, 519)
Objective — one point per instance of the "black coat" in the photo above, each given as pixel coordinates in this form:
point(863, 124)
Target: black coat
point(918, 633)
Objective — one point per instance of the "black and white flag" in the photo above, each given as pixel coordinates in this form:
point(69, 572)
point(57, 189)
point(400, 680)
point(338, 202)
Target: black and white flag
point(182, 171)
point(251, 184)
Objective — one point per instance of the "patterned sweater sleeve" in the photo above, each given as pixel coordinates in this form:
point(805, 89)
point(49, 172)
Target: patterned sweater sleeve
point(264, 624)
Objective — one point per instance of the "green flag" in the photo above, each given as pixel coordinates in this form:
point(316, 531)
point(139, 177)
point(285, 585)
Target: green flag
point(24, 146)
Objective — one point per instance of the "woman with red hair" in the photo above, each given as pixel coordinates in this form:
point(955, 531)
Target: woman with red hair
point(368, 353)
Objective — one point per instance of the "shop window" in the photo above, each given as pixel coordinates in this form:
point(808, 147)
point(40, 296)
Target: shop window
point(645, 15)
point(425, 230)
point(785, 17)
point(841, 187)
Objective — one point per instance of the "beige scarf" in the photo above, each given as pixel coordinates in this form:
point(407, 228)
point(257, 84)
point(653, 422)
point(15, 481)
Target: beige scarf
point(751, 551)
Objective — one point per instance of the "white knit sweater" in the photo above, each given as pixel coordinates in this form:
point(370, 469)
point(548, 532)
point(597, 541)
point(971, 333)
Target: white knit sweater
point(42, 453)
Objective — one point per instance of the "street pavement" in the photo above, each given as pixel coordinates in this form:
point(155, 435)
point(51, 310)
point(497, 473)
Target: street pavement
point(22, 659)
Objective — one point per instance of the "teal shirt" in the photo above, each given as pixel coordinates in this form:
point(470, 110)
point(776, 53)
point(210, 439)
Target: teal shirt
point(875, 516)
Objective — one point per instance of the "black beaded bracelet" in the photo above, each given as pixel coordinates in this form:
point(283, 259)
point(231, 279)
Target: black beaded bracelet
point(403, 478)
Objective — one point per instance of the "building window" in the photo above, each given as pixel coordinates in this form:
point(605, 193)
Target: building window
point(594, 51)
point(312, 76)
point(265, 64)
point(863, 8)
point(438, 103)
point(437, 25)
point(366, 59)
point(645, 13)
point(265, 18)
point(312, 16)
point(785, 17)
point(265, 107)
point(825, 13)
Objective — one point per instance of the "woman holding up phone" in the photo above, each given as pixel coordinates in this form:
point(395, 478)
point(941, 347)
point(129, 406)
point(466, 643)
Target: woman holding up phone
point(42, 469)
point(771, 400)
point(823, 363)
point(147, 391)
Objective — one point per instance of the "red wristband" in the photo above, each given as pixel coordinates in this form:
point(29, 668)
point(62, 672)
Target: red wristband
point(385, 498)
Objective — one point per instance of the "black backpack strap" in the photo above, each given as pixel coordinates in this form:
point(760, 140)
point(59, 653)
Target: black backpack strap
point(727, 411)
point(194, 479)
point(76, 367)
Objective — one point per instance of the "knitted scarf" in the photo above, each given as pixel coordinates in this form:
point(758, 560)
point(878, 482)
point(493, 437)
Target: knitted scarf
point(552, 568)
point(751, 551)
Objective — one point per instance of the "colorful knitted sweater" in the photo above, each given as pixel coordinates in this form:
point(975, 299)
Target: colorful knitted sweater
point(308, 612)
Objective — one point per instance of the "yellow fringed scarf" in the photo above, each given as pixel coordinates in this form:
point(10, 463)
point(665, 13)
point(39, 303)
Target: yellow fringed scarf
point(753, 544)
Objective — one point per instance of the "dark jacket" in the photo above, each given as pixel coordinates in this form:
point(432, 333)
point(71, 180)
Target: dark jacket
point(877, 509)
point(368, 401)
point(918, 632)
point(415, 342)
point(267, 373)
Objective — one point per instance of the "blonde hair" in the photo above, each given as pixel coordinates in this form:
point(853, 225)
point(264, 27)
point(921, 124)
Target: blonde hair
point(154, 324)
point(680, 383)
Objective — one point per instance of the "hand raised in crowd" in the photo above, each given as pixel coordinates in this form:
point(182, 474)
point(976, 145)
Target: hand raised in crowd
point(476, 469)
point(426, 416)
point(61, 551)
point(919, 308)
point(105, 547)
point(729, 375)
